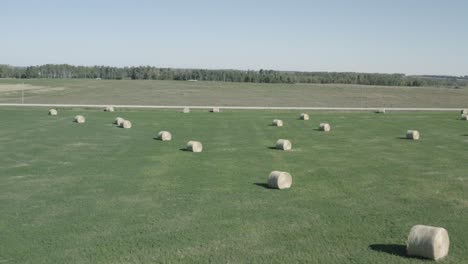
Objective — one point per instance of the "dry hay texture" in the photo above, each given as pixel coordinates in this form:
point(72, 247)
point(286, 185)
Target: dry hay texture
point(464, 117)
point(277, 122)
point(215, 110)
point(194, 146)
point(186, 110)
point(79, 119)
point(283, 144)
point(428, 242)
point(304, 116)
point(126, 124)
point(324, 127)
point(464, 112)
point(164, 136)
point(381, 111)
point(412, 134)
point(118, 121)
point(279, 180)
point(109, 109)
point(53, 112)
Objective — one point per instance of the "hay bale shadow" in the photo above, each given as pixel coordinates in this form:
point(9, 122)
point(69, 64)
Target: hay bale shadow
point(262, 184)
point(184, 149)
point(392, 249)
point(396, 250)
point(272, 148)
point(403, 138)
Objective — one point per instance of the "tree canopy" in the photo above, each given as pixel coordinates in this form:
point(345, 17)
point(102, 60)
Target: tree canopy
point(60, 71)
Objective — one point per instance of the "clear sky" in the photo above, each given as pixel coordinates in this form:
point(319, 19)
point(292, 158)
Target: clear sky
point(403, 36)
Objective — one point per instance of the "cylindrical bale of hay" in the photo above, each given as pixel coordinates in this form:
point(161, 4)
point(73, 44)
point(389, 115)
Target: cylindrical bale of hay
point(381, 111)
point(186, 110)
point(464, 112)
point(304, 116)
point(215, 110)
point(324, 127)
point(283, 144)
point(464, 117)
point(126, 124)
point(109, 109)
point(428, 242)
point(80, 119)
point(279, 180)
point(118, 121)
point(412, 134)
point(194, 146)
point(164, 136)
point(53, 112)
point(277, 122)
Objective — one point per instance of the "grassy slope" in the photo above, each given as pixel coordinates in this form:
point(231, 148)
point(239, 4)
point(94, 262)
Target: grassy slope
point(95, 193)
point(234, 94)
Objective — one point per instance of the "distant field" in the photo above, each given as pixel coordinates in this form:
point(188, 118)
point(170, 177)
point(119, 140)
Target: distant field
point(95, 193)
point(70, 91)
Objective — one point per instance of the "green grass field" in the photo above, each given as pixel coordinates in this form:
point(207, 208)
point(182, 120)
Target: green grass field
point(72, 91)
point(95, 193)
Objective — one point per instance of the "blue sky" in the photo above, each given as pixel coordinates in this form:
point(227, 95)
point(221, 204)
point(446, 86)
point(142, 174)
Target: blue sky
point(413, 37)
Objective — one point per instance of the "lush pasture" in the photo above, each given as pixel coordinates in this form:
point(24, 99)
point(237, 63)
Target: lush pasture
point(226, 94)
point(95, 193)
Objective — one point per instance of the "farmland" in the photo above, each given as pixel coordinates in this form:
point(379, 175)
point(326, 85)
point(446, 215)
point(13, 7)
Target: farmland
point(96, 193)
point(126, 92)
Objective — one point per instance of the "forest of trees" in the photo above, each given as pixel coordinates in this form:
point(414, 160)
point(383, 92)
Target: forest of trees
point(60, 71)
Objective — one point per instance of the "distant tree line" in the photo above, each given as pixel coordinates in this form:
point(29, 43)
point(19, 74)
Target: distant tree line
point(61, 71)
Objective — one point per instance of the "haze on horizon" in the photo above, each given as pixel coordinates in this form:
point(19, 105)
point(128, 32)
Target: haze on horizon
point(342, 36)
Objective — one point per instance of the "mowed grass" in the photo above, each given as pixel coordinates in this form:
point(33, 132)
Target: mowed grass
point(146, 92)
point(95, 193)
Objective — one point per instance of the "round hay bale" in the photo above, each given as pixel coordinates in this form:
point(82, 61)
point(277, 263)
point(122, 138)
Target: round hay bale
point(164, 136)
point(283, 144)
point(324, 127)
point(80, 119)
point(215, 110)
point(381, 111)
point(464, 112)
point(126, 124)
point(118, 121)
point(412, 134)
point(279, 180)
point(304, 116)
point(186, 110)
point(194, 146)
point(277, 122)
point(464, 117)
point(428, 242)
point(109, 109)
point(53, 112)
